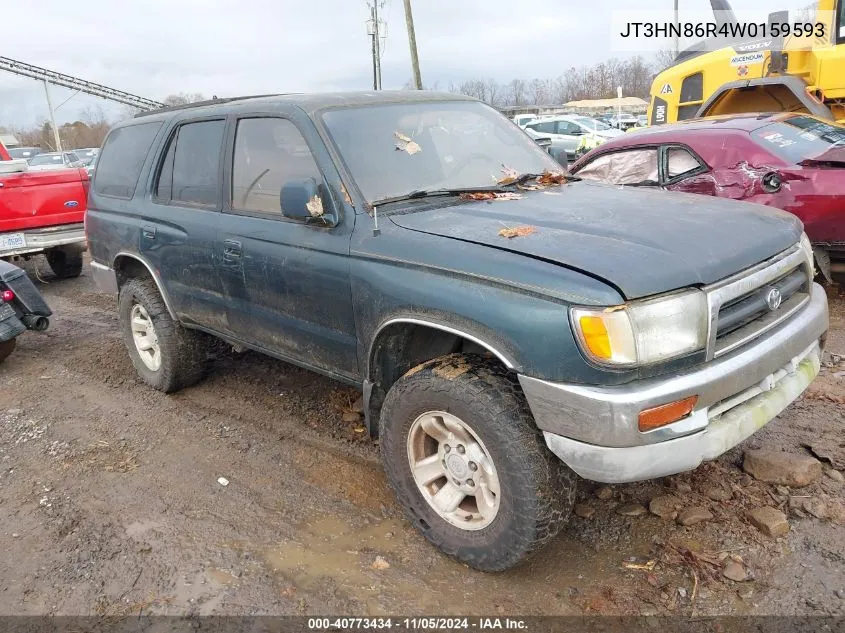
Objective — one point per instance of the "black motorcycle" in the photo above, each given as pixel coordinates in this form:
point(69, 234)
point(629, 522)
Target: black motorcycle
point(22, 307)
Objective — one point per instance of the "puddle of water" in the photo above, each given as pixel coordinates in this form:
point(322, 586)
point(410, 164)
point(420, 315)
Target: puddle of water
point(330, 549)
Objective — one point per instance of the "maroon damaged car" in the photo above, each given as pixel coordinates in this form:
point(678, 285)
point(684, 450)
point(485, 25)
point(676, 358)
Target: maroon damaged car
point(794, 162)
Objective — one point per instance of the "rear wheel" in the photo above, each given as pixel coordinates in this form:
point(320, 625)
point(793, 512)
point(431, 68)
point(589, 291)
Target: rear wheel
point(65, 261)
point(468, 464)
point(166, 355)
point(6, 348)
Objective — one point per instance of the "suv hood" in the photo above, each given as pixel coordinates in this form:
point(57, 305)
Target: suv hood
point(643, 242)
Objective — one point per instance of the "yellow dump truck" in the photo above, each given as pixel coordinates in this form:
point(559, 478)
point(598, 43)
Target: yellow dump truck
point(772, 74)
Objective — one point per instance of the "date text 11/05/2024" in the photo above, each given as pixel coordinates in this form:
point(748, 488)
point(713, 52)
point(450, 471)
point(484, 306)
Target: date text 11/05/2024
point(733, 30)
point(418, 624)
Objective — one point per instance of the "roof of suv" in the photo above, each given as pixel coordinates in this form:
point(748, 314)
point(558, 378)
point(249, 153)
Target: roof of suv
point(311, 103)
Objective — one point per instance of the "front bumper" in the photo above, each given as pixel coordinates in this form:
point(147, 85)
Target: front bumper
point(594, 430)
point(39, 240)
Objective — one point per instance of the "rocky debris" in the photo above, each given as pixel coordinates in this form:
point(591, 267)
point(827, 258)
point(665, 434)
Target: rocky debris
point(815, 507)
point(665, 506)
point(718, 493)
point(351, 417)
point(358, 405)
point(787, 469)
point(734, 571)
point(380, 563)
point(605, 493)
point(693, 515)
point(584, 510)
point(631, 509)
point(835, 475)
point(769, 521)
point(839, 594)
point(746, 480)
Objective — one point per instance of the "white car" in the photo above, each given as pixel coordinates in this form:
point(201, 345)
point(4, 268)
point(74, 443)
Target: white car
point(623, 121)
point(54, 160)
point(566, 131)
point(524, 119)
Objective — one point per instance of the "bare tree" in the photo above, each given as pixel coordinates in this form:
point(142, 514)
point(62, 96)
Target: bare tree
point(183, 98)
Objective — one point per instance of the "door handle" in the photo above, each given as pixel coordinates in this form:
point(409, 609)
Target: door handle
point(232, 250)
point(149, 232)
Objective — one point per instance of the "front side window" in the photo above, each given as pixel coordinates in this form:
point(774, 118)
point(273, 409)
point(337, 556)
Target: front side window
point(546, 127)
point(268, 153)
point(631, 167)
point(392, 150)
point(190, 172)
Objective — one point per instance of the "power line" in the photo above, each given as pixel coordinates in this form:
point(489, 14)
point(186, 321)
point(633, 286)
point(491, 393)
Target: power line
point(75, 83)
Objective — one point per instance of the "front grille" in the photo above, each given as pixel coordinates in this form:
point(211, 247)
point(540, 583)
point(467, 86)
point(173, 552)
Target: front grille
point(747, 309)
point(740, 311)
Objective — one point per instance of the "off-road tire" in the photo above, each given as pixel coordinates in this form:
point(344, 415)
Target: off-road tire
point(6, 348)
point(65, 261)
point(183, 352)
point(537, 490)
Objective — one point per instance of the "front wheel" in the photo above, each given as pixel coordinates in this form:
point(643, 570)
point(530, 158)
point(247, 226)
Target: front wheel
point(6, 348)
point(468, 464)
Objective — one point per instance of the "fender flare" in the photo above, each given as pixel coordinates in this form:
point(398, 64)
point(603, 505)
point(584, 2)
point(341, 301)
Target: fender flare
point(153, 274)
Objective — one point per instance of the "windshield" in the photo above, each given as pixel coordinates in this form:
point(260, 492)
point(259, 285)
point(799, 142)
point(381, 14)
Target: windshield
point(593, 124)
point(46, 159)
point(800, 137)
point(392, 150)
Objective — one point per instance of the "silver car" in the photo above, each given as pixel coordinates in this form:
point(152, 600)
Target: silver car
point(567, 131)
point(54, 160)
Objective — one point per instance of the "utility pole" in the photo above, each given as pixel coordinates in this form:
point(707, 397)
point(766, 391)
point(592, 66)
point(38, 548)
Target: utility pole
point(677, 25)
point(412, 43)
point(52, 119)
point(373, 29)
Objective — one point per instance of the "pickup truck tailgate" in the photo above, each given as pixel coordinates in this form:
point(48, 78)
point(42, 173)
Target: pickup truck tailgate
point(36, 199)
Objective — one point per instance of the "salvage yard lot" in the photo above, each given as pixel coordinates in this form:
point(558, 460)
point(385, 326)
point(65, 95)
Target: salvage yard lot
point(110, 502)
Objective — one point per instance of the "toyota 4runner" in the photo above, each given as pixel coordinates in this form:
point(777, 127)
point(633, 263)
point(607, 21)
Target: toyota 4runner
point(509, 326)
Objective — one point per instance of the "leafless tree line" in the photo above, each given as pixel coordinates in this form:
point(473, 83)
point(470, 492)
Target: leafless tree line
point(599, 81)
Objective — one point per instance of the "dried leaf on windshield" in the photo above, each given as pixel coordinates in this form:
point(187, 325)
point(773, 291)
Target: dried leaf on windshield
point(509, 176)
point(517, 231)
point(490, 195)
point(551, 178)
point(345, 193)
point(315, 207)
point(406, 144)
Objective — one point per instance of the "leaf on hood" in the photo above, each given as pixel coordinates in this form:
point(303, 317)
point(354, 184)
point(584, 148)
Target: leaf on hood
point(315, 207)
point(551, 178)
point(517, 231)
point(406, 144)
point(509, 176)
point(491, 195)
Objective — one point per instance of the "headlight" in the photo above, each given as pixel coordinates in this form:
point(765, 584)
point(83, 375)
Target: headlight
point(807, 247)
point(643, 332)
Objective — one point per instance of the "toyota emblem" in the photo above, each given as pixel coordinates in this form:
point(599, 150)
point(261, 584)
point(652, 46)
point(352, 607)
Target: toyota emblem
point(773, 299)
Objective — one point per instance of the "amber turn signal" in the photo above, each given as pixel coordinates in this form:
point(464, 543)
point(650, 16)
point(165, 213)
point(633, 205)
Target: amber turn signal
point(656, 417)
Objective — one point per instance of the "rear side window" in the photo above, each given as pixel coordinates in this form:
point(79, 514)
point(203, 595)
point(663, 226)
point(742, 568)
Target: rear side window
point(268, 154)
point(547, 127)
point(190, 172)
point(122, 158)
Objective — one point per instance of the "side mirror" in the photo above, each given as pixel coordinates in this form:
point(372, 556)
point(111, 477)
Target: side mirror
point(303, 200)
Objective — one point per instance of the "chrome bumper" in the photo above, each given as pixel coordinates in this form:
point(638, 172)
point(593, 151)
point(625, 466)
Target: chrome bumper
point(39, 240)
point(594, 430)
point(104, 278)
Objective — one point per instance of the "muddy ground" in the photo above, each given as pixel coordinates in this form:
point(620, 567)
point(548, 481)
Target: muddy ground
point(110, 501)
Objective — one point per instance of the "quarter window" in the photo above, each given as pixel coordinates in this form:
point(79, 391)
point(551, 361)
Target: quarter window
point(122, 158)
point(190, 171)
point(680, 162)
point(268, 153)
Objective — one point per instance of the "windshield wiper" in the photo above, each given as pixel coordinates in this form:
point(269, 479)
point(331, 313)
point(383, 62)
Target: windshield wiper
point(430, 193)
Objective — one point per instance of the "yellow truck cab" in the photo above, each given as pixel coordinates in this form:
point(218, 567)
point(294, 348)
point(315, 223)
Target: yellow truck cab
point(762, 75)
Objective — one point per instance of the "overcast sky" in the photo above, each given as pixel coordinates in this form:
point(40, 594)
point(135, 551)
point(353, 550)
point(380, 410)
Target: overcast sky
point(154, 48)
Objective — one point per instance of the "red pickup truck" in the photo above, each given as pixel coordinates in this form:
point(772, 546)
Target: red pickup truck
point(43, 212)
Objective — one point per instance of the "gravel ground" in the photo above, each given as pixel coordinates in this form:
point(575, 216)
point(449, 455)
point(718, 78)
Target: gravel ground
point(110, 502)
